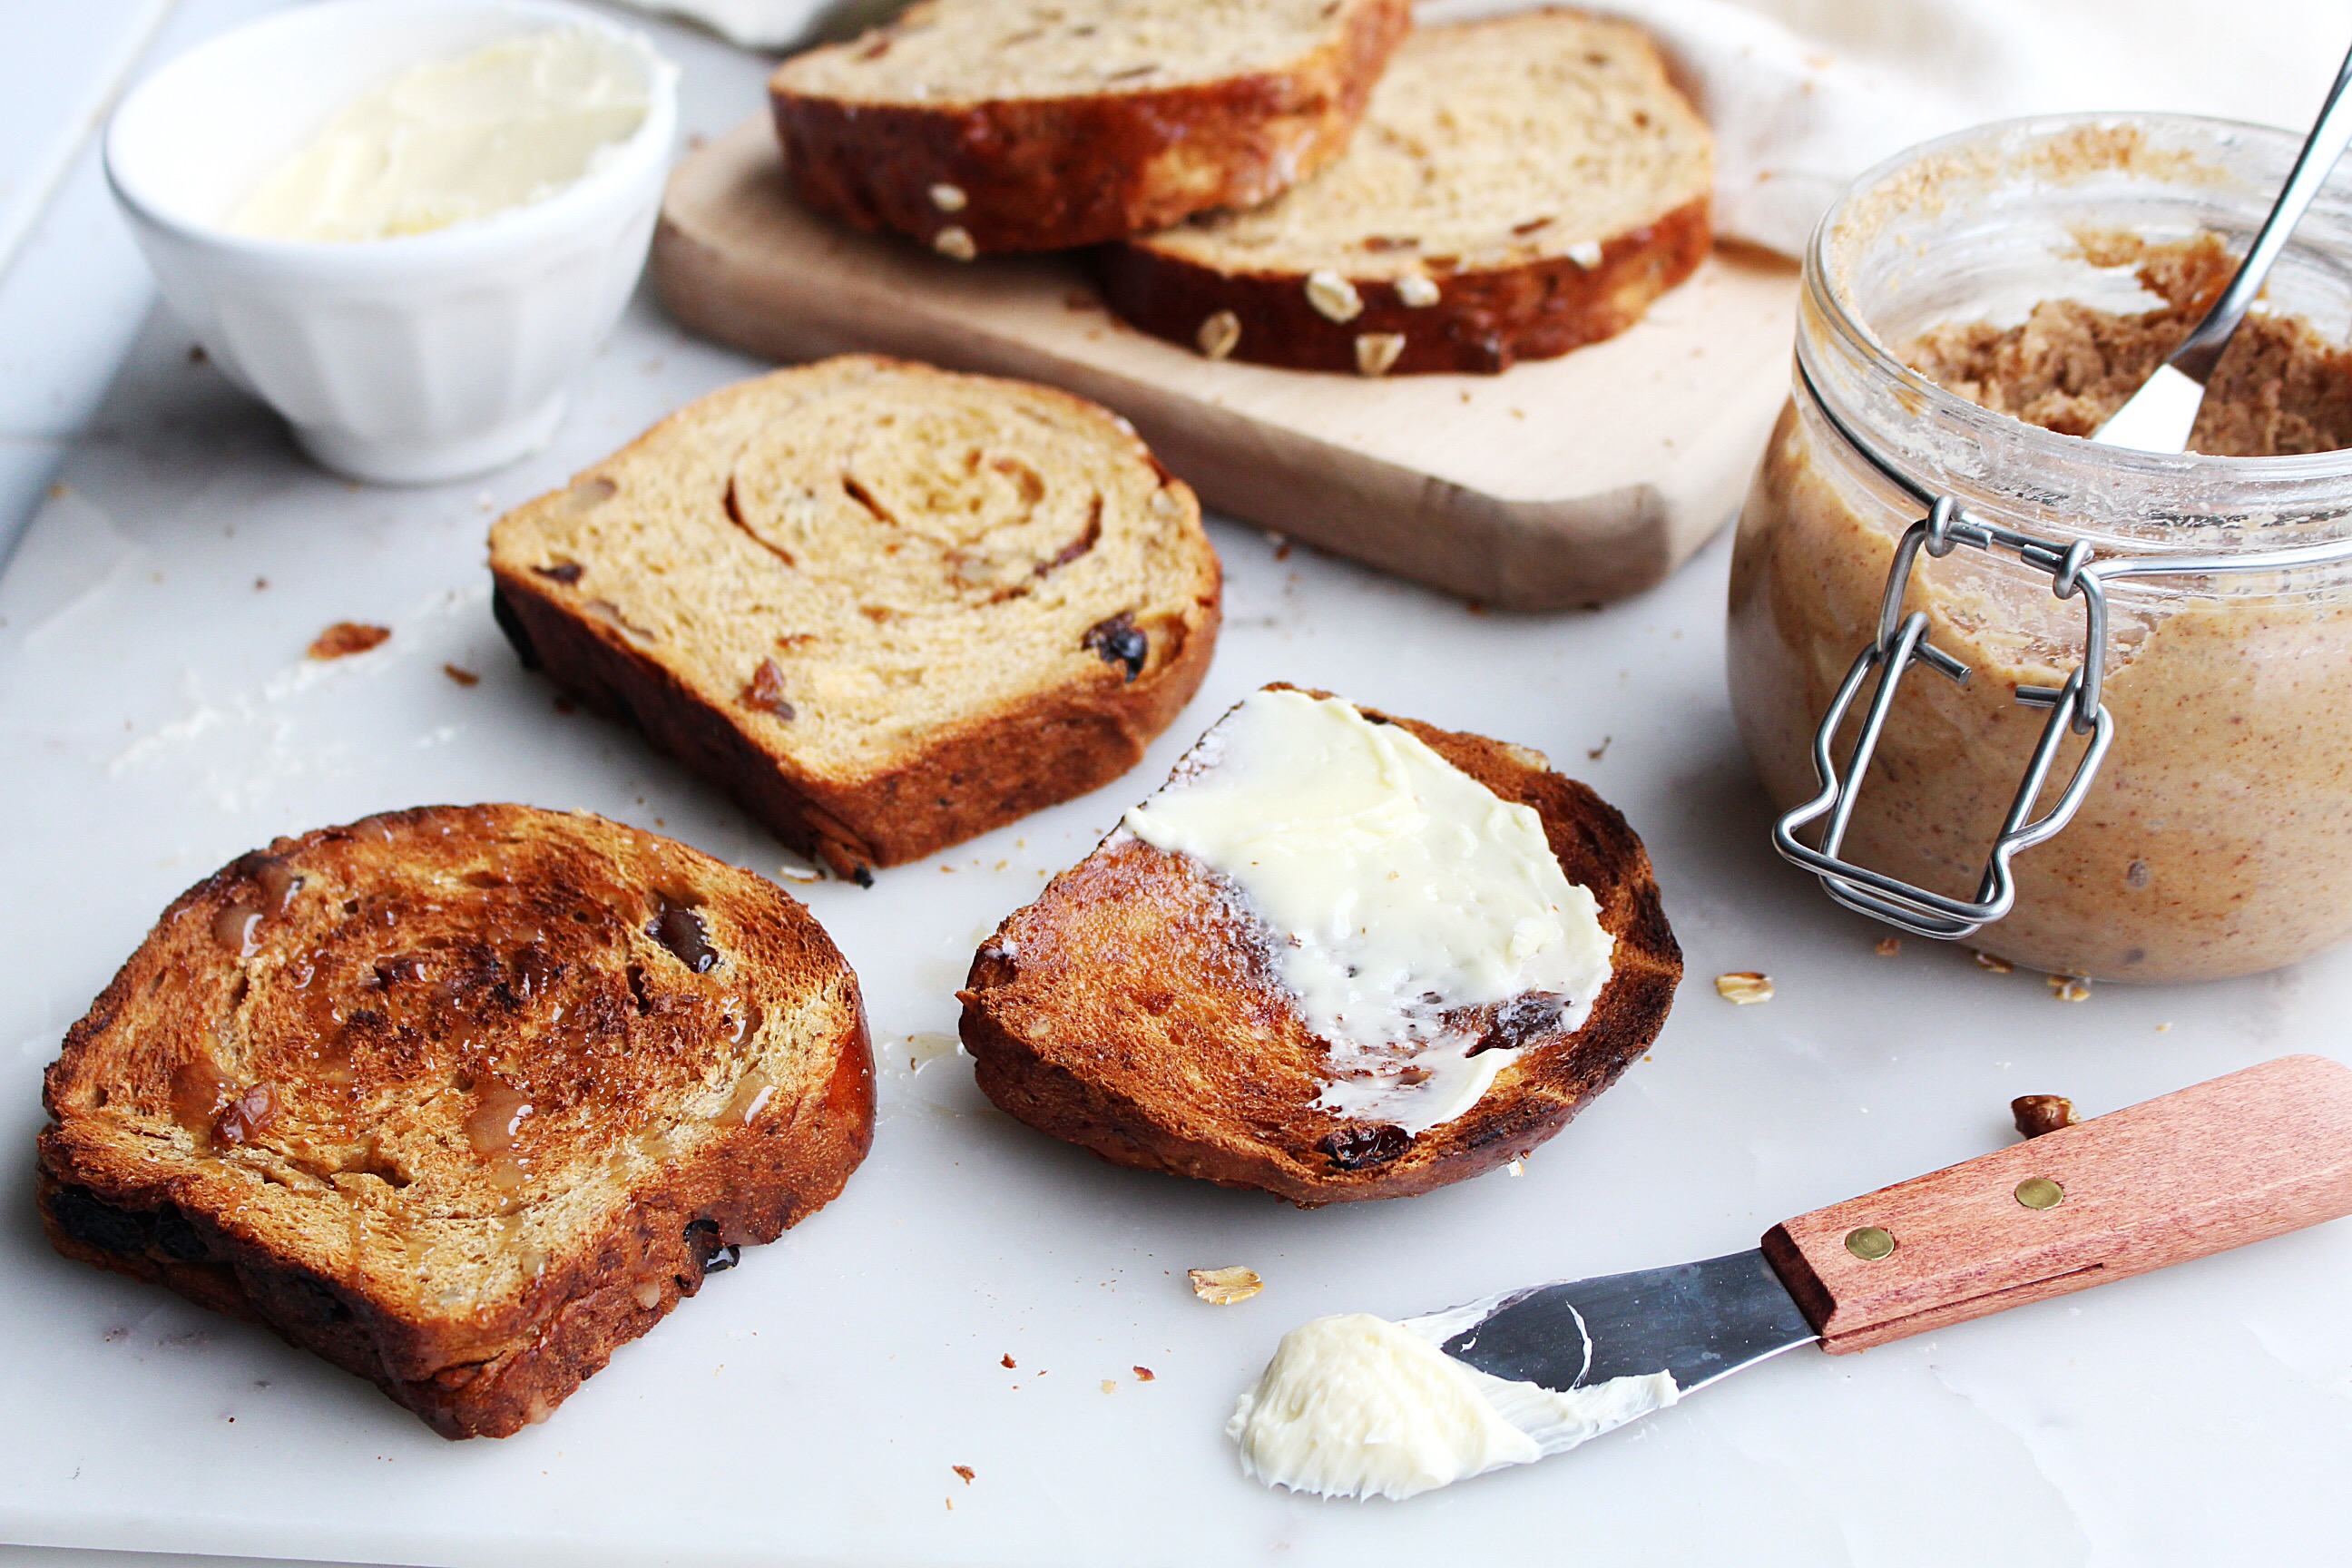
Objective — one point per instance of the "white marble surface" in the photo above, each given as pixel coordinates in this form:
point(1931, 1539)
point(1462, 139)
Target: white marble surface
point(156, 718)
point(72, 287)
point(57, 77)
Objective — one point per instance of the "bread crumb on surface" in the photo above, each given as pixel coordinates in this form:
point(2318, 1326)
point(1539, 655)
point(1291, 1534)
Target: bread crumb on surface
point(1009, 1363)
point(1142, 1373)
point(2069, 987)
point(2035, 1114)
point(1992, 965)
point(1744, 987)
point(461, 675)
point(346, 637)
point(1889, 946)
point(1224, 1287)
point(966, 1471)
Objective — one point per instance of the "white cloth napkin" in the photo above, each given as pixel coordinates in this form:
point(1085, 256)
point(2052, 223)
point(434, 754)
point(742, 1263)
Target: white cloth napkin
point(1805, 94)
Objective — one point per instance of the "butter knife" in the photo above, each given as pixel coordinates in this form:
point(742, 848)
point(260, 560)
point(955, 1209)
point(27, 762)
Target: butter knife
point(2250, 1155)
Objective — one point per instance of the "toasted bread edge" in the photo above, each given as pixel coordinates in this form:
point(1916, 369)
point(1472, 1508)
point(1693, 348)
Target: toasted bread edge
point(1053, 173)
point(1533, 1099)
point(97, 1206)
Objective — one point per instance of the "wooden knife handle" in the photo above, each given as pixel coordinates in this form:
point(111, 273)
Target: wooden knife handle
point(2254, 1155)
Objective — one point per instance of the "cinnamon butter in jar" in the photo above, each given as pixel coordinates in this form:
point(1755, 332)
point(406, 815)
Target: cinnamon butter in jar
point(2120, 744)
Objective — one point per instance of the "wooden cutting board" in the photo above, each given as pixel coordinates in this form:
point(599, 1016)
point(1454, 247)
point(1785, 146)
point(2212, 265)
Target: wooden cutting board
point(1559, 483)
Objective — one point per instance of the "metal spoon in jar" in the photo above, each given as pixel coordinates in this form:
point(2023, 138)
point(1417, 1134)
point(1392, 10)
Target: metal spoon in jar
point(2160, 415)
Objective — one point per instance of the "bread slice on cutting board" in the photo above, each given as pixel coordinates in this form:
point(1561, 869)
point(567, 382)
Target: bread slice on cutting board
point(460, 1099)
point(884, 606)
point(1144, 1007)
point(1520, 185)
point(981, 125)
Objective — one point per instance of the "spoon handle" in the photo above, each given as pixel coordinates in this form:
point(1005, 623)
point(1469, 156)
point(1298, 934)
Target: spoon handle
point(2200, 351)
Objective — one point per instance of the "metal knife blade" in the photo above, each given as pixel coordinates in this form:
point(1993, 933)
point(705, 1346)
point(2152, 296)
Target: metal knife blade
point(1700, 1322)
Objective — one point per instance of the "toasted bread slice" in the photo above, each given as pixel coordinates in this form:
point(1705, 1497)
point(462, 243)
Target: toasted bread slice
point(979, 126)
point(1136, 1009)
point(460, 1098)
point(884, 606)
point(1520, 185)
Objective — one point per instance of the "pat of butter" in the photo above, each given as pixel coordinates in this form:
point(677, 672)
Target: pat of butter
point(1355, 1406)
point(1398, 888)
point(456, 141)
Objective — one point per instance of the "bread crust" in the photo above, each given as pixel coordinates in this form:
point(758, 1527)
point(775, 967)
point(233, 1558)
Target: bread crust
point(1058, 1018)
point(1483, 323)
point(993, 769)
point(990, 768)
point(1051, 173)
point(145, 1199)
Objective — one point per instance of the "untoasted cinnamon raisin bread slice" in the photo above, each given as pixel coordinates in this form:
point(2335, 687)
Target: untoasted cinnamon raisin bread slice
point(886, 606)
point(1520, 185)
point(1173, 1013)
point(460, 1099)
point(979, 126)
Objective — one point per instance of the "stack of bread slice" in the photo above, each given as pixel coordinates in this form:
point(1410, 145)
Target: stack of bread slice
point(1280, 183)
point(1521, 186)
point(979, 126)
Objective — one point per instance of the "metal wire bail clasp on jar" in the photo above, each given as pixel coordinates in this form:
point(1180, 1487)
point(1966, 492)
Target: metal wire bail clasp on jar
point(2130, 753)
point(1901, 640)
point(2074, 706)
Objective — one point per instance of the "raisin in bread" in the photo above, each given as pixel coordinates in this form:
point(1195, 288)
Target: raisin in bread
point(886, 606)
point(460, 1099)
point(1520, 185)
point(1141, 1008)
point(979, 126)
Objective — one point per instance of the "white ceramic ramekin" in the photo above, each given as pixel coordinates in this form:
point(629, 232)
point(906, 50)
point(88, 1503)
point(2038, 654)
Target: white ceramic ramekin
point(405, 361)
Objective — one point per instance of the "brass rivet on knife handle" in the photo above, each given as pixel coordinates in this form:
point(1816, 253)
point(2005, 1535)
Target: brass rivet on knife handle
point(1870, 1243)
point(2040, 1193)
point(2253, 1154)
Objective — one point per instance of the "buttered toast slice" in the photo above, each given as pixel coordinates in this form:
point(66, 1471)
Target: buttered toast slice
point(884, 606)
point(460, 1099)
point(982, 125)
point(1520, 185)
point(1340, 956)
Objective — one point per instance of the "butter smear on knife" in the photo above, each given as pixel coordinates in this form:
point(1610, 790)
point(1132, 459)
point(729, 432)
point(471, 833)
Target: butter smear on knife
point(1358, 1406)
